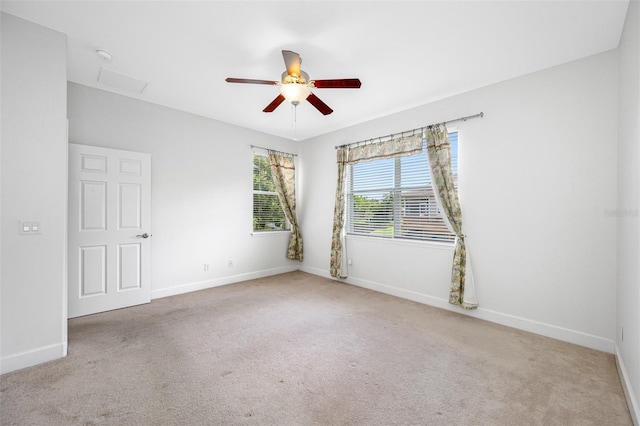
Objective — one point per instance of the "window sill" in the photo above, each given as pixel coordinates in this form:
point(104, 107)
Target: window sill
point(261, 234)
point(401, 242)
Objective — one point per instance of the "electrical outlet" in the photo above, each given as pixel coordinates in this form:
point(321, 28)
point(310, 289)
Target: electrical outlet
point(205, 267)
point(350, 262)
point(230, 263)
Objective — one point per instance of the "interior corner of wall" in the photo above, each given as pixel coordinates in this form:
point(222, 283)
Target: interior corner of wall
point(629, 393)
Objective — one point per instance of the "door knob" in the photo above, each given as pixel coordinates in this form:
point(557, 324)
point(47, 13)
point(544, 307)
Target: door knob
point(145, 235)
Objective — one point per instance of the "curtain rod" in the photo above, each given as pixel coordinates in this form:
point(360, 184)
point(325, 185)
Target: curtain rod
point(274, 150)
point(412, 131)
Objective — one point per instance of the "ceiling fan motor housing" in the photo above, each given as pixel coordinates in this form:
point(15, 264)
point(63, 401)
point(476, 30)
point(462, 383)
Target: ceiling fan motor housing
point(288, 79)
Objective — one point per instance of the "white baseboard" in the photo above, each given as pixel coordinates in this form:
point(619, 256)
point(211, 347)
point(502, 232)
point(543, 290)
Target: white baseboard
point(520, 323)
point(632, 401)
point(217, 282)
point(317, 271)
point(549, 330)
point(33, 357)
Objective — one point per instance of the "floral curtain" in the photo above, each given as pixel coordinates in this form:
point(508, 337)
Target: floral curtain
point(283, 171)
point(462, 290)
point(403, 145)
point(337, 268)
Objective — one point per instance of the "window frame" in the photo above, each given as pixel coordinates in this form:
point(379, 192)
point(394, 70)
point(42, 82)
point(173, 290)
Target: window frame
point(265, 232)
point(399, 204)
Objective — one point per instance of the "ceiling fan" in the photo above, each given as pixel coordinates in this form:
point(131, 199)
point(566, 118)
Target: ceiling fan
point(295, 85)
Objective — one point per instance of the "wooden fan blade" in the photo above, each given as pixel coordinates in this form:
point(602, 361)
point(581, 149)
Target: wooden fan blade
point(274, 104)
point(341, 83)
point(320, 106)
point(250, 81)
point(292, 62)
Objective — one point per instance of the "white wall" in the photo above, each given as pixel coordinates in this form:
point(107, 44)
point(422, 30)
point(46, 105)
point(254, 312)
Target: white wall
point(628, 297)
point(537, 177)
point(537, 180)
point(201, 188)
point(34, 187)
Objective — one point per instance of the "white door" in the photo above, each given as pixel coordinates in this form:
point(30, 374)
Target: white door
point(109, 229)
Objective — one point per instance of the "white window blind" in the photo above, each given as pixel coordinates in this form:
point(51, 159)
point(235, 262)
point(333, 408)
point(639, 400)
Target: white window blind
point(393, 198)
point(267, 211)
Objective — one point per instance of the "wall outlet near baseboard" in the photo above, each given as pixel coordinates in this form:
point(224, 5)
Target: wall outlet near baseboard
point(205, 267)
point(230, 263)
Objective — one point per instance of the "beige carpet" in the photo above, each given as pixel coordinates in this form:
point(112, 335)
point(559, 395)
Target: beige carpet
point(297, 349)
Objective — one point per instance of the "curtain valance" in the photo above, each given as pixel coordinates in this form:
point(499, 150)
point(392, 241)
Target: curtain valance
point(404, 145)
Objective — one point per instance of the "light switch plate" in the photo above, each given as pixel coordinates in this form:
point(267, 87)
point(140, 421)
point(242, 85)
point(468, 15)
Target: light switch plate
point(24, 227)
point(29, 227)
point(35, 226)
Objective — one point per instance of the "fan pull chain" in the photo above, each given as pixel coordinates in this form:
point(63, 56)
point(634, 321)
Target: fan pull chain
point(294, 121)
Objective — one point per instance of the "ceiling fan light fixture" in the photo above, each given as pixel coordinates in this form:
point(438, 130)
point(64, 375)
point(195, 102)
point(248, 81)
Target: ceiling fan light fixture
point(295, 85)
point(295, 92)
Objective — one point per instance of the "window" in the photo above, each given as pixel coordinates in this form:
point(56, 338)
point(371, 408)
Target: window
point(393, 198)
point(267, 211)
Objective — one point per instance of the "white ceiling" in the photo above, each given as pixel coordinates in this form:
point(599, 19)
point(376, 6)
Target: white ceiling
point(405, 53)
